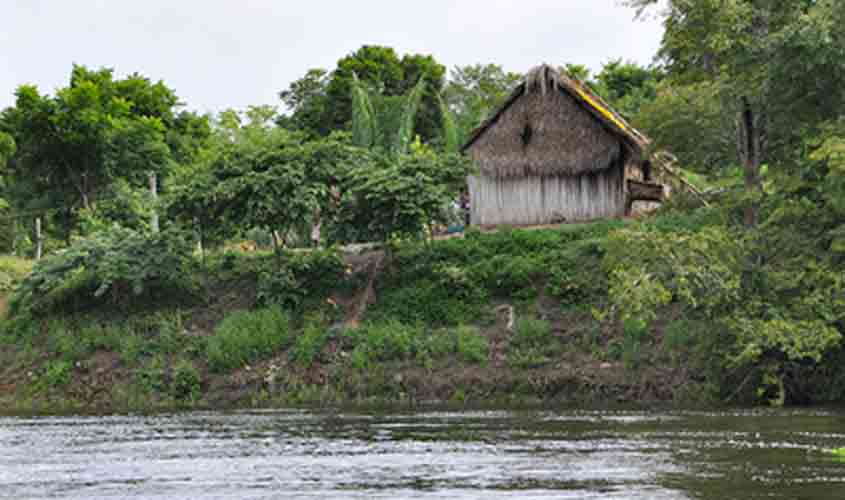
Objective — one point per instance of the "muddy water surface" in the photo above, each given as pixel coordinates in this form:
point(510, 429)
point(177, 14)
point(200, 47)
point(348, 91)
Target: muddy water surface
point(435, 454)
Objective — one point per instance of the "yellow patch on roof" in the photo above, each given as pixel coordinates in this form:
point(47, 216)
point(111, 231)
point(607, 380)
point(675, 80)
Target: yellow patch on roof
point(601, 109)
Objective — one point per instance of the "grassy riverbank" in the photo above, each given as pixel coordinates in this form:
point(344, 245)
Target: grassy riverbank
point(513, 317)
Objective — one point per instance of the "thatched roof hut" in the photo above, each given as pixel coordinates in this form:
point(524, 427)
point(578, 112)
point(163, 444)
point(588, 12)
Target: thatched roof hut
point(555, 151)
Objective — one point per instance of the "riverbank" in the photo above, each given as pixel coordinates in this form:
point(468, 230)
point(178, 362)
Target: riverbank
point(513, 317)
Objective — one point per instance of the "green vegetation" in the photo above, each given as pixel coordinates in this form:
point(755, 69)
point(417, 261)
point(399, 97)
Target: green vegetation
point(734, 295)
point(248, 336)
point(12, 271)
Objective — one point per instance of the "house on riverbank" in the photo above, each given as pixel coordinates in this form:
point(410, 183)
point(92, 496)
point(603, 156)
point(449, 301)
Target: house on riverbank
point(555, 152)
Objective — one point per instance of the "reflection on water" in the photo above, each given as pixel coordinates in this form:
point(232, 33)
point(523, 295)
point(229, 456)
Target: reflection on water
point(298, 454)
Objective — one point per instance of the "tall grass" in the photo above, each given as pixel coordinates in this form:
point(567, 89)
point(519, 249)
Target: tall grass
point(248, 336)
point(12, 270)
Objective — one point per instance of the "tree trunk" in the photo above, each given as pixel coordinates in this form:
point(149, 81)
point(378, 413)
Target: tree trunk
point(154, 195)
point(749, 145)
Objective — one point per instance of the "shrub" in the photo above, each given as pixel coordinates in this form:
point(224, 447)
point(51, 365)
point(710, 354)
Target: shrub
point(448, 296)
point(504, 275)
point(290, 278)
point(247, 336)
point(384, 341)
point(576, 275)
point(532, 332)
point(309, 344)
point(185, 385)
point(438, 344)
point(150, 377)
point(532, 344)
point(12, 271)
point(634, 333)
point(472, 347)
point(110, 268)
point(55, 374)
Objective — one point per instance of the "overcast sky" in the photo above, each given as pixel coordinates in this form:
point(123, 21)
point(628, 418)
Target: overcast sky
point(221, 54)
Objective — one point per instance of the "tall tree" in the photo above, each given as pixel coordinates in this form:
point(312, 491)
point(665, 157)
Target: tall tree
point(321, 102)
point(776, 62)
point(73, 145)
point(473, 92)
point(627, 86)
point(307, 103)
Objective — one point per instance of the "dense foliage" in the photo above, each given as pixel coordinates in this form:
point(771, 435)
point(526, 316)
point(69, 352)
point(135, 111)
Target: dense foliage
point(746, 291)
point(115, 267)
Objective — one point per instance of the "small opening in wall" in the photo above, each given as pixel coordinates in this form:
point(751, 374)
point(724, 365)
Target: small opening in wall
point(526, 134)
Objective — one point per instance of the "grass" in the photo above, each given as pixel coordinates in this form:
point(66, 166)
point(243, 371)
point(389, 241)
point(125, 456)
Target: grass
point(533, 344)
point(15, 267)
point(12, 271)
point(248, 336)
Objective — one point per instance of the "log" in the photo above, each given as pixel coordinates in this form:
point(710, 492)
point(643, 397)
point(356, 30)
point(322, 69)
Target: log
point(644, 191)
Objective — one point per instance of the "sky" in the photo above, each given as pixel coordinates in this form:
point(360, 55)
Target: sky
point(219, 54)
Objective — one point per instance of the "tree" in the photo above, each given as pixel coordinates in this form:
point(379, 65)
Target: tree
point(777, 64)
point(626, 86)
point(474, 92)
point(416, 67)
point(690, 120)
point(7, 148)
point(404, 197)
point(321, 102)
point(72, 146)
point(307, 102)
point(257, 175)
point(385, 122)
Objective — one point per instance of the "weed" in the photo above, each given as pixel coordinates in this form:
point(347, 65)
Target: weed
point(131, 348)
point(247, 336)
point(532, 332)
point(472, 347)
point(309, 344)
point(634, 332)
point(532, 344)
point(150, 377)
point(185, 385)
point(384, 341)
point(54, 375)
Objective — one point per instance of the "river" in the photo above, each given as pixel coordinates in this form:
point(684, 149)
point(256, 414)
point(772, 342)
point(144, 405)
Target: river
point(743, 454)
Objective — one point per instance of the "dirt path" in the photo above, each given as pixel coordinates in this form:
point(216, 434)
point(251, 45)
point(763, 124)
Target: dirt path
point(375, 261)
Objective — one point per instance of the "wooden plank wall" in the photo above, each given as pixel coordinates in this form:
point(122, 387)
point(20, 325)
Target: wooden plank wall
point(546, 200)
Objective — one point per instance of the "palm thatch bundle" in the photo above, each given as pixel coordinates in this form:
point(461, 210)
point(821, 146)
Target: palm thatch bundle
point(553, 125)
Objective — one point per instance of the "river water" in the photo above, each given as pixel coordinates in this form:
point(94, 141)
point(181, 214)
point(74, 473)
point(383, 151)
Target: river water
point(430, 454)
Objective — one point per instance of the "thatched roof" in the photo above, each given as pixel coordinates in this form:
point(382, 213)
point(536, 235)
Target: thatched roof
point(573, 131)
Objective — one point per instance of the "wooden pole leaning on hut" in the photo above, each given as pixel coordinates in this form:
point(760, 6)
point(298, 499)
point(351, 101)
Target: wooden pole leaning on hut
point(667, 162)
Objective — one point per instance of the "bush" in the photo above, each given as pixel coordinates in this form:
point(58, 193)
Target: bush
point(12, 271)
point(504, 275)
point(55, 374)
point(472, 347)
point(576, 274)
point(247, 336)
point(310, 343)
point(532, 332)
point(437, 345)
point(117, 267)
point(185, 385)
point(384, 341)
point(448, 296)
point(532, 344)
point(292, 277)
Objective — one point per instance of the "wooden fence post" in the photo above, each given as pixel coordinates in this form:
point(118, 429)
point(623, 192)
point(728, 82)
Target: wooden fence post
point(39, 245)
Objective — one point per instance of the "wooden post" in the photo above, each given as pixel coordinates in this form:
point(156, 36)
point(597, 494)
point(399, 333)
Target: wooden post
point(154, 194)
point(39, 246)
